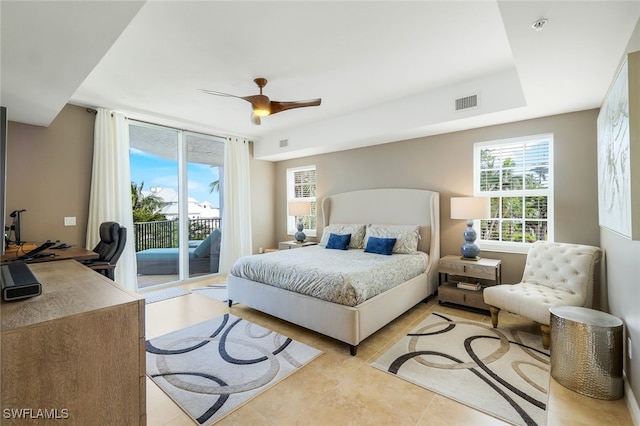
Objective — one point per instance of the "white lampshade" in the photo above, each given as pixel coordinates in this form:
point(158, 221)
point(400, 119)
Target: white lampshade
point(470, 208)
point(299, 208)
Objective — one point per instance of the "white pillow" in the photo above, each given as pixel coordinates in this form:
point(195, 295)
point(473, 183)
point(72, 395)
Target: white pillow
point(406, 236)
point(357, 232)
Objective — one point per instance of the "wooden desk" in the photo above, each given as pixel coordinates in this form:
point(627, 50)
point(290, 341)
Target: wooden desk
point(73, 252)
point(77, 350)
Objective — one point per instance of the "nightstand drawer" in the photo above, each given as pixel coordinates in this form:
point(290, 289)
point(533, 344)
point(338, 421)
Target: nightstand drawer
point(451, 268)
point(453, 265)
point(480, 271)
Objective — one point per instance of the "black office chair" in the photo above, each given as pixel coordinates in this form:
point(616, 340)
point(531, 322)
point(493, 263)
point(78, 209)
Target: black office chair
point(113, 238)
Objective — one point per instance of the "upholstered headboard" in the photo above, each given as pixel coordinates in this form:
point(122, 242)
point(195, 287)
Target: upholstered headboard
point(392, 206)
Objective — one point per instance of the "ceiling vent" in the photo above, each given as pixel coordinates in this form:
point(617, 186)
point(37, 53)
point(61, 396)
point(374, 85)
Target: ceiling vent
point(466, 103)
point(284, 143)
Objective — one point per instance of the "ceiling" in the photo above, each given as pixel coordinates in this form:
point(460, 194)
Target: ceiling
point(385, 71)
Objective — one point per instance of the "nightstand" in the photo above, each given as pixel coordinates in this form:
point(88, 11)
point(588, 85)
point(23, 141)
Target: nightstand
point(454, 269)
point(294, 244)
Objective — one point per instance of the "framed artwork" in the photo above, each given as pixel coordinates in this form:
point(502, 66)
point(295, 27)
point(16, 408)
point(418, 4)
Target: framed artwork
point(615, 162)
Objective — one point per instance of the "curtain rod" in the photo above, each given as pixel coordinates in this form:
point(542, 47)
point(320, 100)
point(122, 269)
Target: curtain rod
point(94, 111)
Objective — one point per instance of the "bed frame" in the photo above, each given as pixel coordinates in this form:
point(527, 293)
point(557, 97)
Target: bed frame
point(354, 324)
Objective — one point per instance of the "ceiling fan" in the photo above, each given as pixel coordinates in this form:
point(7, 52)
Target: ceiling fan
point(262, 105)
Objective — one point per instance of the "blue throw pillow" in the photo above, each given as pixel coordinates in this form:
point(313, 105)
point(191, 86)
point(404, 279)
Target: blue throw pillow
point(338, 242)
point(380, 245)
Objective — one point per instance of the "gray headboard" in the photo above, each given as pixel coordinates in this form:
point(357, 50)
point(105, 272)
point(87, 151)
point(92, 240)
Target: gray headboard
point(392, 206)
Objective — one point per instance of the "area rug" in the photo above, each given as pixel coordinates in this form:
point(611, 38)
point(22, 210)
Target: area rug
point(212, 368)
point(164, 294)
point(214, 291)
point(502, 372)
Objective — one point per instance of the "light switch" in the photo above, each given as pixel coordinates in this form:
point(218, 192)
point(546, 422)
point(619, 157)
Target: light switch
point(70, 221)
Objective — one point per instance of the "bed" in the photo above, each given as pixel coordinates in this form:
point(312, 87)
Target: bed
point(353, 317)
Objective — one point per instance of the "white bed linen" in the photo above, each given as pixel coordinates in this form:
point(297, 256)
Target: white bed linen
point(346, 277)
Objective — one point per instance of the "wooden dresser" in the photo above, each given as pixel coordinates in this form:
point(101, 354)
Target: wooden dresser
point(74, 353)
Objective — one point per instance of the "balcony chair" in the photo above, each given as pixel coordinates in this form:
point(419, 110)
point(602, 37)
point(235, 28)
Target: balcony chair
point(555, 274)
point(113, 238)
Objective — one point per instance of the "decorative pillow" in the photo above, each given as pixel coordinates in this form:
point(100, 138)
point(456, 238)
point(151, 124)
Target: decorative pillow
point(407, 236)
point(357, 232)
point(204, 248)
point(380, 245)
point(338, 242)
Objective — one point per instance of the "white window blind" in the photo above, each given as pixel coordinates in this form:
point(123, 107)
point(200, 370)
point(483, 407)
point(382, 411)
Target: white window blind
point(517, 174)
point(301, 186)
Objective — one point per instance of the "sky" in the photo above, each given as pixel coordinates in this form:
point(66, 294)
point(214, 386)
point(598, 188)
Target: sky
point(155, 171)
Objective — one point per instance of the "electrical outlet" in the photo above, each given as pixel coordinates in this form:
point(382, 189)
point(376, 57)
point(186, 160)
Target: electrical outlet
point(70, 221)
point(629, 346)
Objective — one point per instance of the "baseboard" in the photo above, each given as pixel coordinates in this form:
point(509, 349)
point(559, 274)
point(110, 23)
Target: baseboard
point(632, 403)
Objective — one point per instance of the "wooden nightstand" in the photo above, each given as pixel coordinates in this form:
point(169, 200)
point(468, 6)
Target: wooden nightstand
point(294, 244)
point(454, 269)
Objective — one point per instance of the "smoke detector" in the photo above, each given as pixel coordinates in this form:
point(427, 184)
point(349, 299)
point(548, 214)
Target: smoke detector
point(537, 25)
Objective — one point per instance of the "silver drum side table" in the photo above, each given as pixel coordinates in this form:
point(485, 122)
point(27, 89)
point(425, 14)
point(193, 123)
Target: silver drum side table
point(586, 351)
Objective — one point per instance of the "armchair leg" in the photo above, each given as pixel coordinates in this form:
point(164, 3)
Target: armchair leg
point(494, 315)
point(546, 336)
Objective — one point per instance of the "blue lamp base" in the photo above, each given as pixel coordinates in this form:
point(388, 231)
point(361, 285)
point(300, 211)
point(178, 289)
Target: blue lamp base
point(470, 249)
point(300, 236)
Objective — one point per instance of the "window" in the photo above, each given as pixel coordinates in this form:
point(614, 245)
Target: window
point(517, 174)
point(301, 186)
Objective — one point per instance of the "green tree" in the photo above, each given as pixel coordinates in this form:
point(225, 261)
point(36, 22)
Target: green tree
point(214, 186)
point(523, 218)
point(145, 208)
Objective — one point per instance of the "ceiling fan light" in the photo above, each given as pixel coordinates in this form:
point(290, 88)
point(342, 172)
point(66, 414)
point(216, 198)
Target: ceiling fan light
point(261, 112)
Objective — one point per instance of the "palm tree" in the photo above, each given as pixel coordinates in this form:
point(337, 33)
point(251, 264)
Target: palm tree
point(214, 186)
point(145, 208)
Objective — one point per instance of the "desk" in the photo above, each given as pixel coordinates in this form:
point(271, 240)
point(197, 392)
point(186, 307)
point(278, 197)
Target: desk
point(77, 350)
point(74, 252)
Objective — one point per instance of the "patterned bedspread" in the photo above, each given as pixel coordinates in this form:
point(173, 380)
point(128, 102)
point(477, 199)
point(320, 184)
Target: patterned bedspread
point(348, 277)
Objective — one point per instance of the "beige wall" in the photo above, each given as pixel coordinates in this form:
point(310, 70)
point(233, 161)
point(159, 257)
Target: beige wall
point(444, 163)
point(49, 174)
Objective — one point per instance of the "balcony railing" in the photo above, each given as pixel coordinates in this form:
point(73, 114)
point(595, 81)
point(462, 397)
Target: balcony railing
point(164, 233)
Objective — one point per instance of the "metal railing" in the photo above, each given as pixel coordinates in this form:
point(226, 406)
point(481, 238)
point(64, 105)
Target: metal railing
point(164, 233)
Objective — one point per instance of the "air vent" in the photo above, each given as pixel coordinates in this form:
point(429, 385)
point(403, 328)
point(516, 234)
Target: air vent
point(284, 142)
point(466, 103)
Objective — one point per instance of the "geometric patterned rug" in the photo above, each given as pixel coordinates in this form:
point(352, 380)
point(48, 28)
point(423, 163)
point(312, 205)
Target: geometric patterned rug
point(212, 368)
point(502, 372)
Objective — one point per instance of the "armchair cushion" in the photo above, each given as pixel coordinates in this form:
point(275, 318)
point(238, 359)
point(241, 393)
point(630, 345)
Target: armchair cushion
point(530, 300)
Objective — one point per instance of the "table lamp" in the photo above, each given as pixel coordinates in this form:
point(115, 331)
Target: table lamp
point(470, 208)
point(299, 209)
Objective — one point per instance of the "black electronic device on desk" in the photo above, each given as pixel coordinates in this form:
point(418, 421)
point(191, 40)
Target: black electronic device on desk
point(18, 282)
point(36, 252)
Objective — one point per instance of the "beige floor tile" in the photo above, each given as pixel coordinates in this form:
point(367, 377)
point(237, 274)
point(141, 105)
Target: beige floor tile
point(338, 389)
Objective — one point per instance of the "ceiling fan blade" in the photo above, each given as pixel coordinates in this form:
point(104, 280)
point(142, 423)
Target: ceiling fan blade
point(255, 119)
point(283, 106)
point(213, 92)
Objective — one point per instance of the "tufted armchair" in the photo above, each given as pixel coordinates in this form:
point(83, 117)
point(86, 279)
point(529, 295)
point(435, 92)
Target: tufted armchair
point(555, 274)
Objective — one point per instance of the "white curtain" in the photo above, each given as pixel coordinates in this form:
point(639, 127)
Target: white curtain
point(236, 215)
point(110, 198)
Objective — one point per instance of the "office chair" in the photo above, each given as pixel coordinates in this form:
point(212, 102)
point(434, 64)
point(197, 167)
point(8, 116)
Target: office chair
point(113, 238)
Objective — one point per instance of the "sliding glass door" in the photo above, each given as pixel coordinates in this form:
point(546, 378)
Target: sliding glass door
point(175, 189)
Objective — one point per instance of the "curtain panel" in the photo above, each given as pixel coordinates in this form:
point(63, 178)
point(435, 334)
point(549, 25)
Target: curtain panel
point(110, 198)
point(236, 215)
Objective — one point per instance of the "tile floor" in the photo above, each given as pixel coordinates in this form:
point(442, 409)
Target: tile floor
point(338, 389)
